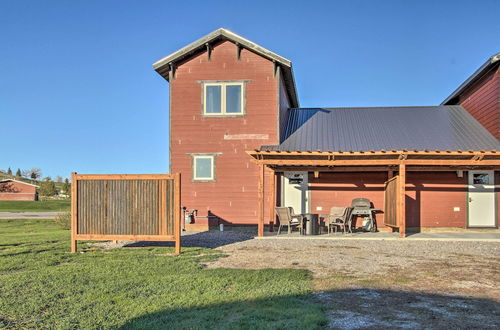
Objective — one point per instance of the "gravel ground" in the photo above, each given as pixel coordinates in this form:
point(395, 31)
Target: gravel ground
point(378, 284)
point(350, 257)
point(374, 284)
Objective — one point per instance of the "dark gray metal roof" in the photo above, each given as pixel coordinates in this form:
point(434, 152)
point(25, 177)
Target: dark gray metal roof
point(365, 129)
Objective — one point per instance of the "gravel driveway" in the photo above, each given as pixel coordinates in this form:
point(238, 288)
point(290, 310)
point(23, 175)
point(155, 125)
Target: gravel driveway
point(374, 284)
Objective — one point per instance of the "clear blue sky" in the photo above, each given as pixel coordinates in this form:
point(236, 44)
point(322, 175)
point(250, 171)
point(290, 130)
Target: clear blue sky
point(78, 92)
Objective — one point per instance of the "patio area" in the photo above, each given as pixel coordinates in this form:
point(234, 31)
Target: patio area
point(485, 236)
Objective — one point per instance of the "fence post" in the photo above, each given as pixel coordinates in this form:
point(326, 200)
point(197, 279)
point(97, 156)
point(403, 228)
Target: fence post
point(74, 211)
point(177, 212)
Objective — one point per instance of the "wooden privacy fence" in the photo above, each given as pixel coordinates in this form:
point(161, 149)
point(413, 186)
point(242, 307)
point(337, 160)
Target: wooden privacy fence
point(131, 207)
point(391, 202)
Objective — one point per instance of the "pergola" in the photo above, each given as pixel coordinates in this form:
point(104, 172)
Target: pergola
point(390, 161)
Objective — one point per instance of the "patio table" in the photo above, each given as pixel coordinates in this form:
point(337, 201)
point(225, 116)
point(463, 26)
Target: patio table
point(311, 223)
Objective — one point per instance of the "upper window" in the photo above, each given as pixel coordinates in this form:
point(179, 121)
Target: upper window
point(223, 99)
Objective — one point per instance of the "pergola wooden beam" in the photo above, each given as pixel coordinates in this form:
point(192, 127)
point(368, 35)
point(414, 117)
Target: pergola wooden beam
point(365, 162)
point(261, 201)
point(376, 168)
point(374, 153)
point(401, 204)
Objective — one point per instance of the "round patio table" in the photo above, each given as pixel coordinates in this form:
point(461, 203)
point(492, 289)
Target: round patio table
point(311, 223)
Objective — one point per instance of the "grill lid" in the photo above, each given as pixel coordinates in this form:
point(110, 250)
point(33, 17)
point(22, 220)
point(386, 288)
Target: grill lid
point(361, 203)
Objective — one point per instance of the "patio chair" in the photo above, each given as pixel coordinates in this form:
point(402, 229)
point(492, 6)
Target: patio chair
point(339, 217)
point(287, 217)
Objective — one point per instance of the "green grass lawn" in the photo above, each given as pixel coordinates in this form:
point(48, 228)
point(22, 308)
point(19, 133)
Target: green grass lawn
point(42, 285)
point(35, 206)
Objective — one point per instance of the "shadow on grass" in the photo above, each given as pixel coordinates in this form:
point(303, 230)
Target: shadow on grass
point(207, 239)
point(339, 309)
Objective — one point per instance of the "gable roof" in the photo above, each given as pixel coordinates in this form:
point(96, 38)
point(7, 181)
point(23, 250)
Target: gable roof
point(384, 128)
point(164, 65)
point(478, 74)
point(26, 183)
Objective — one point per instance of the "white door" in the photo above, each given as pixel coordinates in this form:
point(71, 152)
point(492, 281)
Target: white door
point(295, 191)
point(481, 199)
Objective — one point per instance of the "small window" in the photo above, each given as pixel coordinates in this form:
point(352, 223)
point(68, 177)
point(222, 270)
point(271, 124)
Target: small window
point(223, 99)
point(203, 168)
point(481, 178)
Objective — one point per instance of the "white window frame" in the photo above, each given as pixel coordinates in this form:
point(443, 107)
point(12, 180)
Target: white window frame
point(212, 167)
point(223, 86)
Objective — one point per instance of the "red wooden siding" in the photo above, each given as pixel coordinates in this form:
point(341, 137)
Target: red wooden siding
point(233, 197)
point(482, 101)
point(430, 196)
point(339, 189)
point(13, 190)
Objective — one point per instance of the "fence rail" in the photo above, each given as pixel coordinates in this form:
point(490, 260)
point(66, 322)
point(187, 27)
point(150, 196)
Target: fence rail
point(133, 207)
point(390, 202)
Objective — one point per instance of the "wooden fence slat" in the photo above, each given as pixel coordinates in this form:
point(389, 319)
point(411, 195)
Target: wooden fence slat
point(390, 202)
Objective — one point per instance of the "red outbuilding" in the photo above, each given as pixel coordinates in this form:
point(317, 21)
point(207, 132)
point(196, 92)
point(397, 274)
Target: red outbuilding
point(14, 190)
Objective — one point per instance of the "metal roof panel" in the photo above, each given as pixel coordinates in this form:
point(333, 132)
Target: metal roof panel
point(365, 129)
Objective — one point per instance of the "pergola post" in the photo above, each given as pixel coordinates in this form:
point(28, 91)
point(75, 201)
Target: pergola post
point(402, 200)
point(272, 200)
point(261, 201)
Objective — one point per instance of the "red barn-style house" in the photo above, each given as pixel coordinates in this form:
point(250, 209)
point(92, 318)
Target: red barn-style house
point(14, 190)
point(244, 145)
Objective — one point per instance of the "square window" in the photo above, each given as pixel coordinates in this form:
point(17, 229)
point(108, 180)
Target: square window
point(480, 178)
point(203, 168)
point(223, 99)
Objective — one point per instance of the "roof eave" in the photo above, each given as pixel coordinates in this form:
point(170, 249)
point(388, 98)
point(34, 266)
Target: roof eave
point(181, 53)
point(493, 60)
point(163, 66)
point(29, 184)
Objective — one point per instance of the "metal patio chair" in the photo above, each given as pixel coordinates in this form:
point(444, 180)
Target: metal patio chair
point(288, 218)
point(339, 217)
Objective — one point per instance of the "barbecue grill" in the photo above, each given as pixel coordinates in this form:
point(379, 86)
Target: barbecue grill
point(362, 207)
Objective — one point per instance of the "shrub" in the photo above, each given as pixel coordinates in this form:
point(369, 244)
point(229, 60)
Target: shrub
point(63, 220)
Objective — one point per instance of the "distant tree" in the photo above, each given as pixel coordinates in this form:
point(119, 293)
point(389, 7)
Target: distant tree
point(47, 187)
point(59, 179)
point(66, 187)
point(18, 173)
point(9, 171)
point(26, 174)
point(35, 173)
